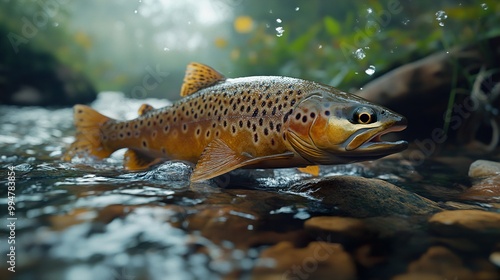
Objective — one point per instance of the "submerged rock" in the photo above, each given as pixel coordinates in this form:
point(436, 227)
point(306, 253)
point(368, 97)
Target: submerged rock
point(362, 197)
point(486, 181)
point(319, 260)
point(460, 222)
point(437, 263)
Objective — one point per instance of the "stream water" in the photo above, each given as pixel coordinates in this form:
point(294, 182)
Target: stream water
point(93, 220)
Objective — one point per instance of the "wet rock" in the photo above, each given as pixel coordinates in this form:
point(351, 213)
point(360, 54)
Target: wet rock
point(495, 258)
point(441, 263)
point(460, 222)
point(484, 168)
point(437, 263)
point(362, 197)
point(221, 223)
point(319, 260)
point(486, 181)
point(338, 229)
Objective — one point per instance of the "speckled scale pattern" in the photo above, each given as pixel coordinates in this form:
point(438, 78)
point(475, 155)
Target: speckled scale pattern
point(247, 114)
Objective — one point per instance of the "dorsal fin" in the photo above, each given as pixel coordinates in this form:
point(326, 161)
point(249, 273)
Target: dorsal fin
point(144, 109)
point(199, 76)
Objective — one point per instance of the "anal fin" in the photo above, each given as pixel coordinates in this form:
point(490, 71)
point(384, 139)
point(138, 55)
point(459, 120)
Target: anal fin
point(311, 169)
point(218, 158)
point(135, 160)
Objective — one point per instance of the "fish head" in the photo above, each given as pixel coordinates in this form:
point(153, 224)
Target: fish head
point(329, 127)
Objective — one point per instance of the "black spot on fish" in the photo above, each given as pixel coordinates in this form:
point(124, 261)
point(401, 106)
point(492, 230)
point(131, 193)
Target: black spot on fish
point(280, 107)
point(248, 109)
point(241, 123)
point(292, 102)
point(163, 150)
point(195, 116)
point(242, 108)
point(225, 112)
point(271, 125)
point(297, 117)
point(208, 133)
point(184, 127)
point(255, 113)
point(175, 119)
point(217, 133)
point(214, 125)
point(274, 111)
point(327, 112)
point(256, 138)
point(225, 123)
point(261, 121)
point(254, 127)
point(121, 135)
point(233, 128)
point(312, 115)
point(160, 121)
point(304, 119)
point(266, 131)
point(129, 133)
point(253, 102)
point(144, 144)
point(166, 128)
point(234, 107)
point(141, 122)
point(272, 142)
point(249, 124)
point(198, 131)
point(264, 112)
point(269, 104)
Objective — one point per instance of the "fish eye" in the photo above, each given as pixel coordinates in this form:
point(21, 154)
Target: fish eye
point(364, 115)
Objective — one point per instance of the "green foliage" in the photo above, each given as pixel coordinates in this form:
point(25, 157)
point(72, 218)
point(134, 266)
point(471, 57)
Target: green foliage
point(338, 49)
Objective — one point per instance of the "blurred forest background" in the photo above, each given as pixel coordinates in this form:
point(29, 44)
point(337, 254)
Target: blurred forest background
point(141, 47)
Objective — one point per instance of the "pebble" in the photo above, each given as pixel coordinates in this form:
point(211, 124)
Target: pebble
point(337, 229)
point(460, 222)
point(437, 263)
point(319, 260)
point(484, 168)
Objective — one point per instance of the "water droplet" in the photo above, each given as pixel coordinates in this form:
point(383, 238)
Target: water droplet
point(135, 11)
point(441, 16)
point(371, 70)
point(280, 30)
point(166, 49)
point(320, 46)
point(484, 6)
point(297, 9)
point(278, 20)
point(270, 11)
point(369, 10)
point(56, 24)
point(359, 54)
point(406, 21)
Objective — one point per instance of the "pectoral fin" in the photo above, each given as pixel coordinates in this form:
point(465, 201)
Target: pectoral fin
point(218, 158)
point(135, 160)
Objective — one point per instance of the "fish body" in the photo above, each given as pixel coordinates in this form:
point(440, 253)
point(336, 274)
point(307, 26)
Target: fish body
point(252, 122)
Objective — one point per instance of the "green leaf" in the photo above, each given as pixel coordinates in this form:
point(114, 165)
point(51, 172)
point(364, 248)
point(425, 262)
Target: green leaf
point(332, 26)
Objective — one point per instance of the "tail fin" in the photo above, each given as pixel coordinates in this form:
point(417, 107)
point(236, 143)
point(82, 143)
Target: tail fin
point(88, 123)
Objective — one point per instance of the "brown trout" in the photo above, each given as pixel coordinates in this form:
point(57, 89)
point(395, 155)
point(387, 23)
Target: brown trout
point(223, 124)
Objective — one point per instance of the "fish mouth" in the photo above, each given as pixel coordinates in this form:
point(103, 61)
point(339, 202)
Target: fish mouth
point(370, 142)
